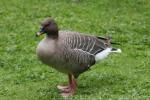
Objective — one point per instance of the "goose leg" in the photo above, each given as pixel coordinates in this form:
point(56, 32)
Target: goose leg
point(63, 88)
point(72, 87)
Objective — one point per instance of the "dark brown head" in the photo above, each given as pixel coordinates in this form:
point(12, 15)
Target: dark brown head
point(48, 27)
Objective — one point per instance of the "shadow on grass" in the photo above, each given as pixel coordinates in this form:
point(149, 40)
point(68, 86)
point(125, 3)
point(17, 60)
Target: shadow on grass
point(50, 93)
point(88, 85)
point(102, 83)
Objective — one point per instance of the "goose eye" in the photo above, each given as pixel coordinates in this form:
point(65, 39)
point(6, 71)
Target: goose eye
point(41, 29)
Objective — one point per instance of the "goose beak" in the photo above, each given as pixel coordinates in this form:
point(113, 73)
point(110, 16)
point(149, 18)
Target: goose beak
point(39, 33)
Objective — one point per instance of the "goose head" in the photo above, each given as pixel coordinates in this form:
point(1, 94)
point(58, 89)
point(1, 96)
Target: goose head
point(48, 27)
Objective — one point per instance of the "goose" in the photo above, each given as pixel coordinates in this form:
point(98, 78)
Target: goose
point(70, 52)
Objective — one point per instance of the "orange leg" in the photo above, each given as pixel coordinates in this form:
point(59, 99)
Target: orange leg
point(70, 89)
point(62, 88)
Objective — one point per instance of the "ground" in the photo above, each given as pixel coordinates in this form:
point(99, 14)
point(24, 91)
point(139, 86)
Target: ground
point(120, 76)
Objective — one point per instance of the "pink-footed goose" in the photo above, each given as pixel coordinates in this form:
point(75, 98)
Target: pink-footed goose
point(71, 53)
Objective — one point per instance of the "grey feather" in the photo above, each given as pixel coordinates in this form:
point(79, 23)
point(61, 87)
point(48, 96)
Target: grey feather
point(71, 52)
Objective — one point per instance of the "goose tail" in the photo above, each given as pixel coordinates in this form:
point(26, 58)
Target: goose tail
point(115, 50)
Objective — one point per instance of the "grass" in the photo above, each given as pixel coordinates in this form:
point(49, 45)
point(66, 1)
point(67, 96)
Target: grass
point(122, 76)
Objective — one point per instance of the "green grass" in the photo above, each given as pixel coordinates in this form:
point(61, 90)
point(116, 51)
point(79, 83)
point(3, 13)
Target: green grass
point(120, 76)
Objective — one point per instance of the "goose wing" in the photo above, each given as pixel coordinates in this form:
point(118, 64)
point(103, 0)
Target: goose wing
point(87, 43)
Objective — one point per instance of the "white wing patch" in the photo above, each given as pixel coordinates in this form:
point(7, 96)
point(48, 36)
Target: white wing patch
point(105, 53)
point(102, 54)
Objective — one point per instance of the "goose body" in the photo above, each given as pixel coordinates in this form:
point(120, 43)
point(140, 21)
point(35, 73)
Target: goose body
point(71, 52)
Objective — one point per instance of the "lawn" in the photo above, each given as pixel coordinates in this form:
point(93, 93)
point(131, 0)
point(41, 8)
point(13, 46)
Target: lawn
point(124, 76)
